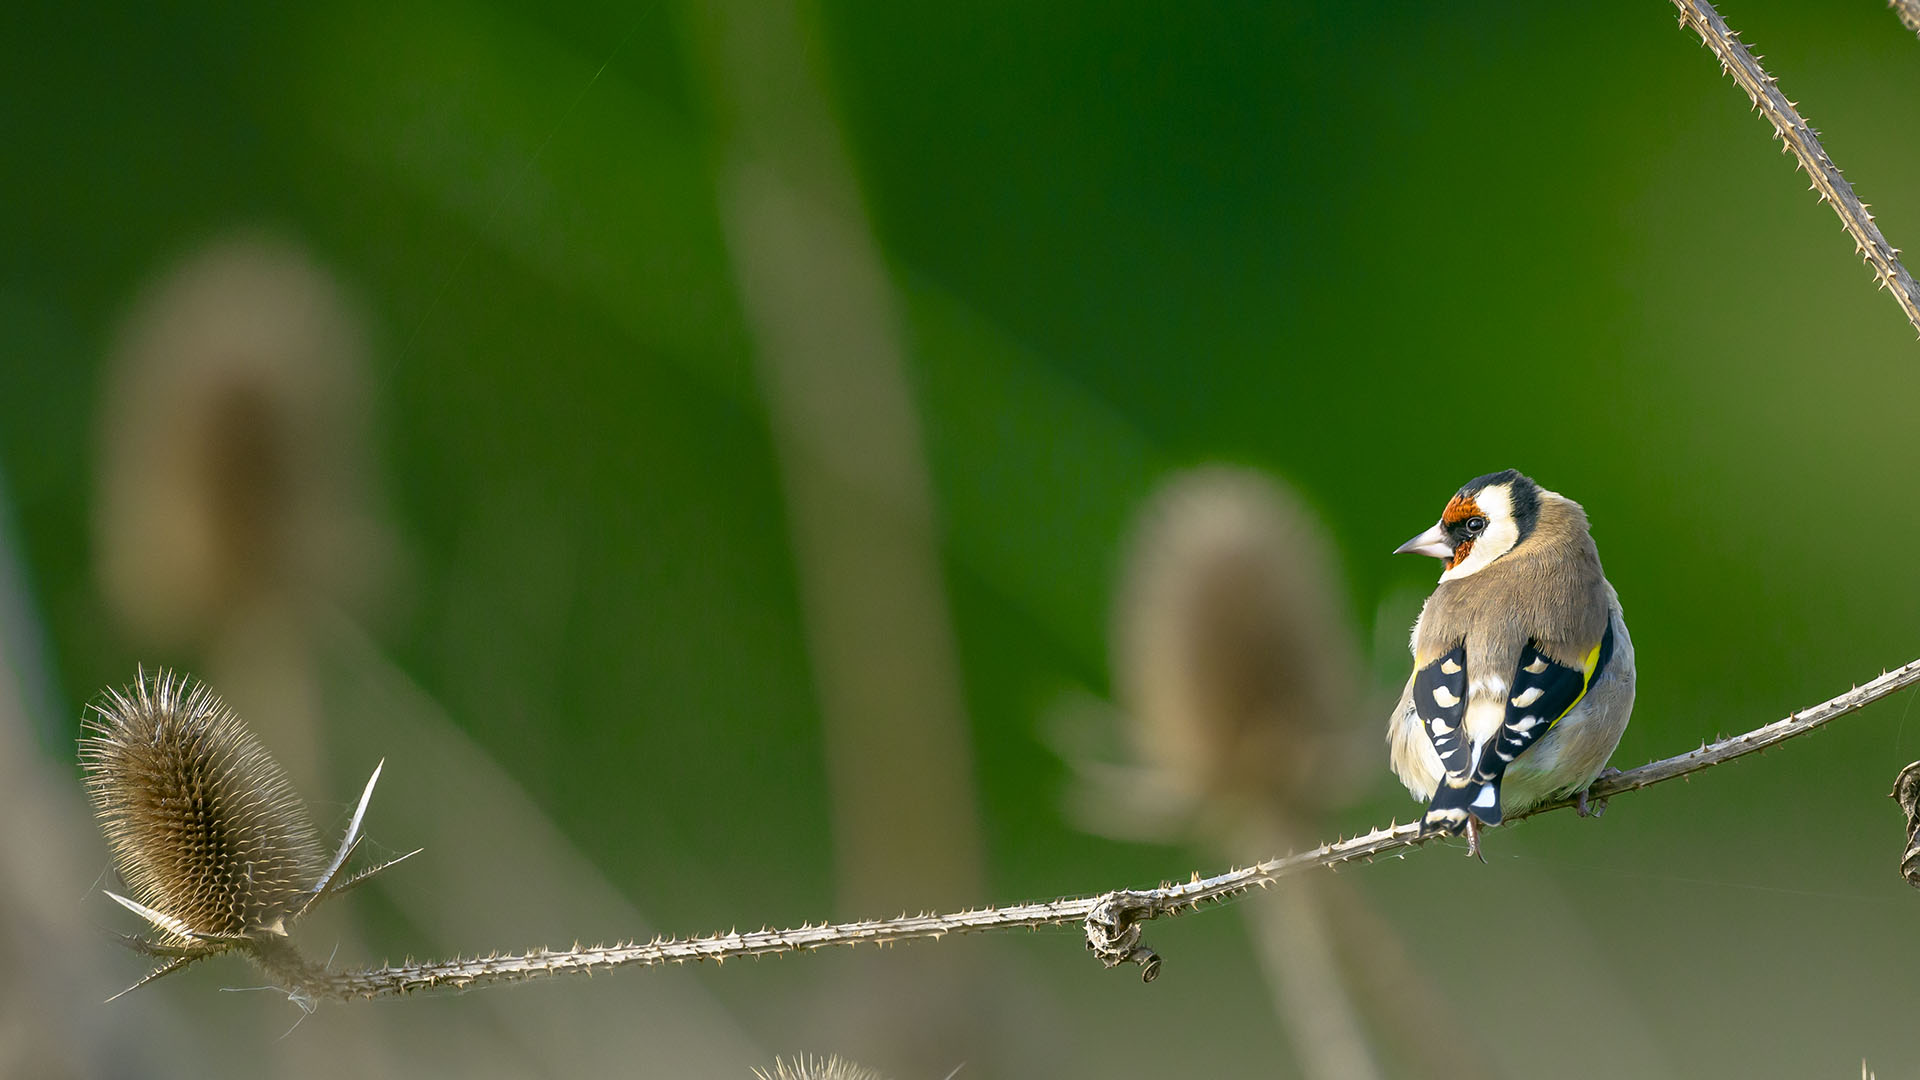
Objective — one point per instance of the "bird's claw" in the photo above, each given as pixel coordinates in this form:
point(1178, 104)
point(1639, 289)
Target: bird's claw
point(1593, 807)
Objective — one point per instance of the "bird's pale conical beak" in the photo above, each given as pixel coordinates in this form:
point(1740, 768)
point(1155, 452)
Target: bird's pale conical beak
point(1433, 542)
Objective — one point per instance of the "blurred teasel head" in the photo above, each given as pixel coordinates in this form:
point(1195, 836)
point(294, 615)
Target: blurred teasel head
point(203, 824)
point(1233, 653)
point(235, 455)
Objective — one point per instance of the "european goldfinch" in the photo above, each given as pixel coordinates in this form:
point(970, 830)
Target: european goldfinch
point(1522, 668)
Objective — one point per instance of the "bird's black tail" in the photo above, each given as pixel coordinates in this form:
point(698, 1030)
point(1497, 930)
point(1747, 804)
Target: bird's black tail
point(1456, 800)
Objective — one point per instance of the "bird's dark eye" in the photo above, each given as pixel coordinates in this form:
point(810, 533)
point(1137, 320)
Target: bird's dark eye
point(1476, 524)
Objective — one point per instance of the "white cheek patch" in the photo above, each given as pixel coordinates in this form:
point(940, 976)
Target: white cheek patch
point(1502, 532)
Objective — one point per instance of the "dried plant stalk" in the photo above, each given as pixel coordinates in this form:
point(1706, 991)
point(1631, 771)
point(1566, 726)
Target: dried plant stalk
point(1112, 920)
point(1236, 668)
point(1906, 792)
point(1800, 139)
point(200, 748)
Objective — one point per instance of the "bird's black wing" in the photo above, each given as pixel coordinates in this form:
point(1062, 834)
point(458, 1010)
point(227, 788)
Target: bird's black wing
point(1543, 692)
point(1440, 700)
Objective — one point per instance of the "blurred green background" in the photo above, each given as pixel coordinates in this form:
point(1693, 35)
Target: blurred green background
point(1372, 249)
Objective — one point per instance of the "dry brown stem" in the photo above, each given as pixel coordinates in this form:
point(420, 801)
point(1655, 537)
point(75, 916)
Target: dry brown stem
point(1906, 792)
point(1112, 920)
point(1803, 142)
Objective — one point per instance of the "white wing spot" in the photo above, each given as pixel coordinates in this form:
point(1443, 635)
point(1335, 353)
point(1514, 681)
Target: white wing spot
point(1528, 696)
point(1440, 727)
point(1448, 667)
point(1446, 698)
point(1538, 667)
point(1525, 723)
point(1485, 798)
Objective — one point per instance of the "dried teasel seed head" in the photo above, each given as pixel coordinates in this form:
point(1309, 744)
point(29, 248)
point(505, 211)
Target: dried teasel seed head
point(807, 1067)
point(204, 826)
point(1234, 656)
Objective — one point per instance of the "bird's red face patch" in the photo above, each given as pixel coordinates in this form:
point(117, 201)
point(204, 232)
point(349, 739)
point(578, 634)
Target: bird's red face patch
point(1459, 509)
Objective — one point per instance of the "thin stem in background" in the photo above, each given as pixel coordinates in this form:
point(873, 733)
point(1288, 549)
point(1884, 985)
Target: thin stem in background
point(1801, 140)
point(1113, 920)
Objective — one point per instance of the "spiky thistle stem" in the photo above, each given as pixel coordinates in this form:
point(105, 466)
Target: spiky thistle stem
point(1803, 142)
point(1112, 920)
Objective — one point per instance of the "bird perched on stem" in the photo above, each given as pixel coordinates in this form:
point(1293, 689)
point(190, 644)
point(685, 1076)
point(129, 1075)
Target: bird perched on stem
point(1522, 668)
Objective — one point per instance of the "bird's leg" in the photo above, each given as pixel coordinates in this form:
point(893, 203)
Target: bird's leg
point(1473, 839)
point(1596, 807)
